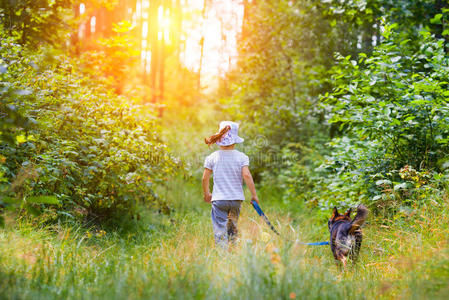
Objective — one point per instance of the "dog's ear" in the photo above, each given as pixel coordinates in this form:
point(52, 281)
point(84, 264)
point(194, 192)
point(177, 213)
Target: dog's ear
point(334, 213)
point(348, 213)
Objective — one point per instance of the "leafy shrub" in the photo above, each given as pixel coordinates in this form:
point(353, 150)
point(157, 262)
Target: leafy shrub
point(319, 180)
point(114, 58)
point(280, 74)
point(392, 111)
point(98, 153)
point(393, 108)
point(36, 21)
point(397, 98)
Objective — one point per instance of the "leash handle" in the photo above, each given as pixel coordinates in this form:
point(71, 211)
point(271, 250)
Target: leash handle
point(257, 208)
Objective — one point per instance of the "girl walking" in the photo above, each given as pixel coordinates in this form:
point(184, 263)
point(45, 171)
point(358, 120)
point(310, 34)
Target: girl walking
point(229, 168)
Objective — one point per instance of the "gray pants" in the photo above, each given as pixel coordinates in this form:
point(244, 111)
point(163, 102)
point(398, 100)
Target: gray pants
point(225, 214)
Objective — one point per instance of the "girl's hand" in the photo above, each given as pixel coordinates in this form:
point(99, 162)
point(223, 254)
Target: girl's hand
point(255, 199)
point(208, 198)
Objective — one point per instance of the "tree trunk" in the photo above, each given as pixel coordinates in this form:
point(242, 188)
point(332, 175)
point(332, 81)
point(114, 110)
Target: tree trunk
point(74, 39)
point(160, 99)
point(246, 16)
point(177, 32)
point(203, 15)
point(153, 37)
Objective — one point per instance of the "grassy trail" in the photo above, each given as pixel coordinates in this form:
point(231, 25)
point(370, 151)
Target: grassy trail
point(168, 257)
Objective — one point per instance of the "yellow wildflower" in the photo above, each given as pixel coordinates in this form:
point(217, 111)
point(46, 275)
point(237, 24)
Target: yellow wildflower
point(275, 258)
point(265, 237)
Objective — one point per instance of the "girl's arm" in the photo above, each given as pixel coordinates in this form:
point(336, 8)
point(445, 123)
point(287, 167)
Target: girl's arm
point(246, 174)
point(206, 193)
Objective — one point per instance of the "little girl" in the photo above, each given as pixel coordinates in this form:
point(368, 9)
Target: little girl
point(229, 166)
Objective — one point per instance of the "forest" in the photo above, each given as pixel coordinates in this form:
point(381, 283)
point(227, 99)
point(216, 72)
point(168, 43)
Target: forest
point(105, 107)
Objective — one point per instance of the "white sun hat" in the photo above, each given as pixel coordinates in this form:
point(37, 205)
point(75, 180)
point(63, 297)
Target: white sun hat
point(232, 136)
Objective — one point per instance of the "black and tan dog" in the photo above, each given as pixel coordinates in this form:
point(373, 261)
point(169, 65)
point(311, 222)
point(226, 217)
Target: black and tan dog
point(346, 234)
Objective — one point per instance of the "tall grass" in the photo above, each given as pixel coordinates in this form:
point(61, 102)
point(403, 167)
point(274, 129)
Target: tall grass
point(168, 257)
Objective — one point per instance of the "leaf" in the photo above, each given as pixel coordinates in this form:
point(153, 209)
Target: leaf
point(402, 186)
point(23, 92)
point(395, 122)
point(395, 59)
point(436, 19)
point(445, 166)
point(66, 214)
point(3, 68)
point(43, 199)
point(10, 200)
point(383, 182)
point(21, 139)
point(32, 210)
point(123, 26)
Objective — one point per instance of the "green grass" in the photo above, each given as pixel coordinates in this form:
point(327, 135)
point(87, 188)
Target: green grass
point(168, 257)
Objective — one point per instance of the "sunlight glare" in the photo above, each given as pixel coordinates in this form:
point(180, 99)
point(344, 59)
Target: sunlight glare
point(145, 30)
point(93, 23)
point(138, 8)
point(148, 59)
point(167, 36)
point(220, 30)
point(160, 13)
point(82, 8)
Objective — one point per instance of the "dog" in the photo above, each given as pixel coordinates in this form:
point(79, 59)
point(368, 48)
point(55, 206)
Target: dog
point(346, 234)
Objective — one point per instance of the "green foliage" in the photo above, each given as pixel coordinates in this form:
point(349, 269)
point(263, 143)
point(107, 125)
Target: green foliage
point(12, 121)
point(410, 15)
point(285, 55)
point(392, 107)
point(391, 111)
point(43, 199)
point(36, 21)
point(387, 110)
point(96, 152)
point(280, 72)
point(397, 97)
point(274, 89)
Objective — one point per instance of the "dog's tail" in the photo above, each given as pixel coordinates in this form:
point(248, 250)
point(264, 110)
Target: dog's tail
point(360, 218)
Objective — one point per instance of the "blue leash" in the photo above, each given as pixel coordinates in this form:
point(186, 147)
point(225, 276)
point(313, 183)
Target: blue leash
point(316, 244)
point(261, 213)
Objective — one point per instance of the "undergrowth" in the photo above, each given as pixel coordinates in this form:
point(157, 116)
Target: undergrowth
point(173, 256)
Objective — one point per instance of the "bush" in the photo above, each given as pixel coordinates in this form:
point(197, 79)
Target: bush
point(392, 111)
point(396, 98)
point(98, 153)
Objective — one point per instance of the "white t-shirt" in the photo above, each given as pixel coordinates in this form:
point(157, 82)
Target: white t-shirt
point(226, 166)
